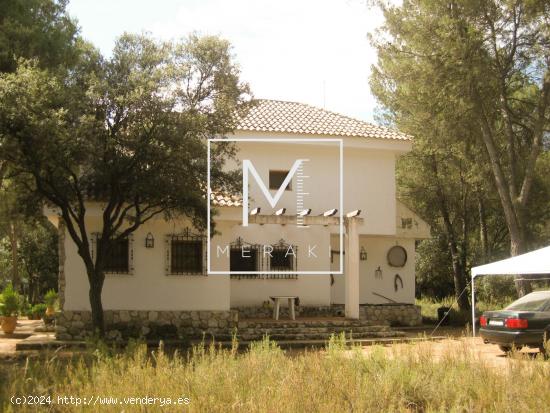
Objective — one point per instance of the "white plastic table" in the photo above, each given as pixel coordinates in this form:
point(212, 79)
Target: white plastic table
point(277, 303)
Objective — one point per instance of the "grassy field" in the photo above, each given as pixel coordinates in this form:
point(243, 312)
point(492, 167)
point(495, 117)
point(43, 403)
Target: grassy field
point(265, 379)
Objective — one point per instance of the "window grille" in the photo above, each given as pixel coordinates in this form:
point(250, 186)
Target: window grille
point(120, 254)
point(185, 253)
point(244, 257)
point(280, 259)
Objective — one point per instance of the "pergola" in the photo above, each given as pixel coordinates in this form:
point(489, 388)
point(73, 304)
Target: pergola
point(534, 262)
point(351, 246)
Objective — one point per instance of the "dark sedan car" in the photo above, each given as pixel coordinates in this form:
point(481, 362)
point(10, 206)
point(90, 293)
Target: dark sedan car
point(525, 322)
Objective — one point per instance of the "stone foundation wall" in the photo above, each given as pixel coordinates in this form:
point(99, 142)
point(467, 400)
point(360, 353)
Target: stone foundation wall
point(301, 311)
point(122, 324)
point(152, 325)
point(394, 314)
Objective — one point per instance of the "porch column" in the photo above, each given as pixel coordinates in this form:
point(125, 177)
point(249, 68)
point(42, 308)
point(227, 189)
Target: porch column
point(351, 268)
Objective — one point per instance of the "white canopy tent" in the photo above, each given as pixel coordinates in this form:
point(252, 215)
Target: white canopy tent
point(534, 262)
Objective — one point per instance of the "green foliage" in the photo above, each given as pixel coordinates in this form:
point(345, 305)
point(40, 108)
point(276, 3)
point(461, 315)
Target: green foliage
point(10, 302)
point(471, 83)
point(38, 254)
point(24, 305)
point(37, 259)
point(50, 298)
point(159, 102)
point(499, 289)
point(38, 310)
point(129, 131)
point(36, 29)
point(40, 30)
point(433, 269)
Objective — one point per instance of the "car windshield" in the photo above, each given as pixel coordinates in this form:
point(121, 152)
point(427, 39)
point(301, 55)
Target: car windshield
point(531, 302)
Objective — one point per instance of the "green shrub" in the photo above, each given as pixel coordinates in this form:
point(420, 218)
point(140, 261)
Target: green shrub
point(498, 290)
point(11, 302)
point(24, 306)
point(38, 310)
point(51, 298)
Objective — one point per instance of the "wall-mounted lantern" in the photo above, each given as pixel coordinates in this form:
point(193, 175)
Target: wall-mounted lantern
point(149, 241)
point(363, 254)
point(378, 273)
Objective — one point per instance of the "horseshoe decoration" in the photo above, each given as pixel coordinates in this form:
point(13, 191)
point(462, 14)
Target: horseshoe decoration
point(397, 280)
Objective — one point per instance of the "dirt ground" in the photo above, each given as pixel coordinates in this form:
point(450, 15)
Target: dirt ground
point(25, 328)
point(488, 353)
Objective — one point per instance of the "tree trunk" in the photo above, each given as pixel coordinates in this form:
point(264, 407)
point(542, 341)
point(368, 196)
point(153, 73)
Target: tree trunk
point(459, 276)
point(14, 256)
point(459, 280)
point(94, 268)
point(513, 210)
point(96, 287)
point(517, 247)
point(483, 233)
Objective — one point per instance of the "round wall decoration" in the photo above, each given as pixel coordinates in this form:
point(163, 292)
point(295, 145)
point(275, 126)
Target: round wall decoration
point(397, 256)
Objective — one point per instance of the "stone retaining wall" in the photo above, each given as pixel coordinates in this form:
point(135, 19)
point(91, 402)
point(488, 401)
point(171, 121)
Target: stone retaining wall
point(301, 311)
point(122, 324)
point(394, 314)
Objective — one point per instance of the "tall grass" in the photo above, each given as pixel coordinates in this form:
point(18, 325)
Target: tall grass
point(265, 379)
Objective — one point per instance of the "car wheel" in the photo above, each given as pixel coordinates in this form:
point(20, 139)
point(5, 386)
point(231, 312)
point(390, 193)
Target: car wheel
point(545, 348)
point(505, 349)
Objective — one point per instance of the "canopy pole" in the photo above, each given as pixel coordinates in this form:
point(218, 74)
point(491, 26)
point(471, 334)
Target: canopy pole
point(473, 306)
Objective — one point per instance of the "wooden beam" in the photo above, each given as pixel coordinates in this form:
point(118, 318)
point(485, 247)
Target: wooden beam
point(291, 220)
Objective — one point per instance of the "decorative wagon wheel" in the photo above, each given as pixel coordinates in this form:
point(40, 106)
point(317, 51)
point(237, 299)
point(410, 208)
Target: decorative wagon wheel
point(397, 256)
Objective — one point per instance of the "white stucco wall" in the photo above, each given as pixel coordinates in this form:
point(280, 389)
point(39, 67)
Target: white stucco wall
point(377, 249)
point(313, 289)
point(148, 288)
point(369, 185)
point(369, 176)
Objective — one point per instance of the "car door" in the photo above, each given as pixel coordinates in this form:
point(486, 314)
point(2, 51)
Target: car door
point(545, 317)
point(540, 320)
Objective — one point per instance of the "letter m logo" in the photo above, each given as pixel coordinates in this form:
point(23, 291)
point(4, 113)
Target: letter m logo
point(248, 168)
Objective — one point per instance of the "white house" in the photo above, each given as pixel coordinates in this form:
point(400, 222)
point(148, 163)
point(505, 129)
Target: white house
point(303, 244)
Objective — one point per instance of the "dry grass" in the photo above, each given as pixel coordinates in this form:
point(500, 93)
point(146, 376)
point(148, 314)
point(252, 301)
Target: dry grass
point(265, 379)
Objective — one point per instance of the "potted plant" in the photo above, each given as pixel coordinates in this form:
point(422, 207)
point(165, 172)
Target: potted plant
point(38, 311)
point(50, 299)
point(9, 309)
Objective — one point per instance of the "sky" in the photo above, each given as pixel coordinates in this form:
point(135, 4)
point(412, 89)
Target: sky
point(309, 51)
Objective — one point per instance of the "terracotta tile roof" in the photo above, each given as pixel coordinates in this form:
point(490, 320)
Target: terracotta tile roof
point(293, 117)
point(226, 200)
